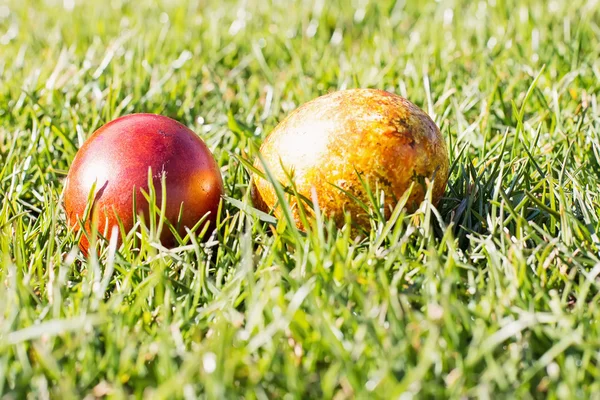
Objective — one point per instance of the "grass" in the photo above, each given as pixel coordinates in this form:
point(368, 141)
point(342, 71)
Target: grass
point(492, 294)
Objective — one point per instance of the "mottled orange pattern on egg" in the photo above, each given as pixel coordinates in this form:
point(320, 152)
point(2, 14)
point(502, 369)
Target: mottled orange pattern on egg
point(328, 142)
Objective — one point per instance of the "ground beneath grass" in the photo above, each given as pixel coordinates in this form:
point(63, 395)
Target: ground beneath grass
point(492, 294)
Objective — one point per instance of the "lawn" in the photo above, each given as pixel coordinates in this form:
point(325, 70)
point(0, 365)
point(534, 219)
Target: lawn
point(494, 293)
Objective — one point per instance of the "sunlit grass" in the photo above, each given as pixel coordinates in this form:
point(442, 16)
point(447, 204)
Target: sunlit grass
point(494, 293)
